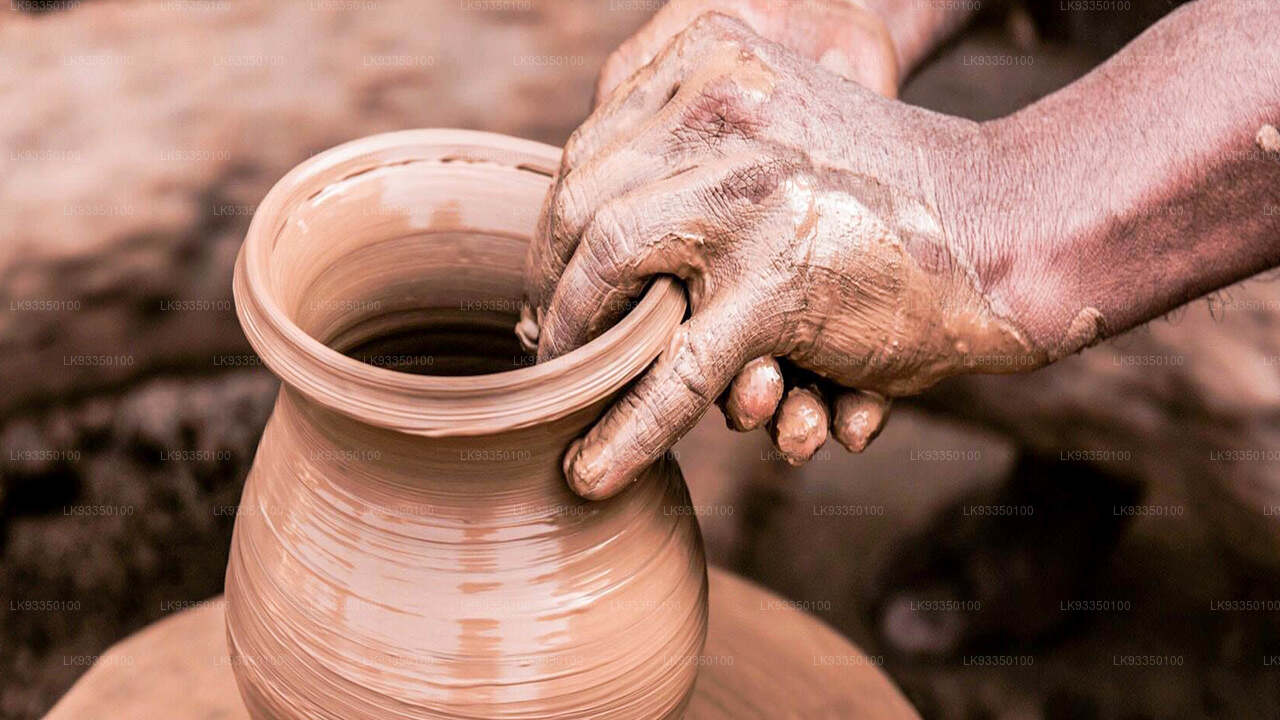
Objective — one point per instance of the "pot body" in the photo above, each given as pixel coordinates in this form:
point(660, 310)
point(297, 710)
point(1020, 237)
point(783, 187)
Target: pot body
point(406, 547)
point(374, 574)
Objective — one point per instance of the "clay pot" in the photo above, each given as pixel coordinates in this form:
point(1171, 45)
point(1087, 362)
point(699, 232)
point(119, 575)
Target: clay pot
point(406, 546)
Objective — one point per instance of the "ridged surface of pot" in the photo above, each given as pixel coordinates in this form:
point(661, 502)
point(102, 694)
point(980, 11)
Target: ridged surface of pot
point(406, 546)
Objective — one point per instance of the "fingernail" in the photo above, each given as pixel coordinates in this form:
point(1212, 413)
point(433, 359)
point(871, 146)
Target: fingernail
point(570, 454)
point(527, 329)
point(754, 394)
point(583, 468)
point(851, 436)
point(850, 429)
point(800, 427)
point(857, 419)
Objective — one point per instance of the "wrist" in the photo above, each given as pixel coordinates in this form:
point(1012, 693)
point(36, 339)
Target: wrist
point(1031, 214)
point(935, 272)
point(999, 283)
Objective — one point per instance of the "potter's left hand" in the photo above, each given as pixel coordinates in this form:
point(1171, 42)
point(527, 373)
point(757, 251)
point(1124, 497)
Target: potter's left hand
point(802, 212)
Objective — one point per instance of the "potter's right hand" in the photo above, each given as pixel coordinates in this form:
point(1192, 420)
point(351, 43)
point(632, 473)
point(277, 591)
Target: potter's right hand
point(810, 219)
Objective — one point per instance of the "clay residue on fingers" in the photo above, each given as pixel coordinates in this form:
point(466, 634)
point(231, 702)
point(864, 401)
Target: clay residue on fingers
point(857, 418)
point(892, 311)
point(1268, 138)
point(1087, 329)
point(754, 394)
point(800, 427)
point(527, 329)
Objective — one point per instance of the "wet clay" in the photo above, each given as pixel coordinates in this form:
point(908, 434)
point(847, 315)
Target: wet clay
point(1087, 329)
point(763, 659)
point(1268, 139)
point(754, 394)
point(800, 427)
point(896, 307)
point(857, 418)
point(790, 241)
point(406, 546)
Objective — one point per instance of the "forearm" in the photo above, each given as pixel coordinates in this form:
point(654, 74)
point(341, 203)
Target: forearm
point(917, 27)
point(1141, 186)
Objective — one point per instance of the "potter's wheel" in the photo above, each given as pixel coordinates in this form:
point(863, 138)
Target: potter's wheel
point(763, 659)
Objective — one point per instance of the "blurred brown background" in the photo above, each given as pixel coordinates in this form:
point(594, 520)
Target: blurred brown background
point(1098, 540)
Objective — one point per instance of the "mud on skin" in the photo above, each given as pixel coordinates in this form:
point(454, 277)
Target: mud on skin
point(885, 247)
point(807, 219)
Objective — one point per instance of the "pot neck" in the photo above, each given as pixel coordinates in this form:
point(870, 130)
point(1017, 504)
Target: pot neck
point(514, 466)
point(369, 236)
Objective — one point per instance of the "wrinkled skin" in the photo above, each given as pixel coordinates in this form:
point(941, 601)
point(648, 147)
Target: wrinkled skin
point(848, 243)
point(840, 35)
point(851, 40)
point(727, 162)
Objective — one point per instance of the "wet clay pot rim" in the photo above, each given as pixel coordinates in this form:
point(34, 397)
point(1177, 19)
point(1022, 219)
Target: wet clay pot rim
point(436, 406)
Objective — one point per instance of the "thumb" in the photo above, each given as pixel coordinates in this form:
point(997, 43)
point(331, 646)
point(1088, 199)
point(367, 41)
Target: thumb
point(698, 364)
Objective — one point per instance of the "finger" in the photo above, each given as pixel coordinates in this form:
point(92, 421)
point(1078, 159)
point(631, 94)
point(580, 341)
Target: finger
point(538, 261)
point(528, 328)
point(669, 227)
point(800, 426)
point(663, 404)
point(571, 204)
point(846, 39)
point(607, 269)
point(633, 98)
point(647, 43)
point(857, 417)
point(842, 36)
point(648, 86)
point(754, 394)
point(618, 149)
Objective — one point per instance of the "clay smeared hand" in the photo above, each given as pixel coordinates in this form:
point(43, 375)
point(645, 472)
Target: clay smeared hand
point(810, 220)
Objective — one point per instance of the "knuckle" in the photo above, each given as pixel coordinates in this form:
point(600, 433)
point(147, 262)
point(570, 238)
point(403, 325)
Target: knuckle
point(573, 147)
point(644, 413)
point(691, 366)
point(718, 111)
point(565, 204)
point(698, 36)
point(718, 25)
point(569, 212)
point(612, 222)
point(606, 237)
